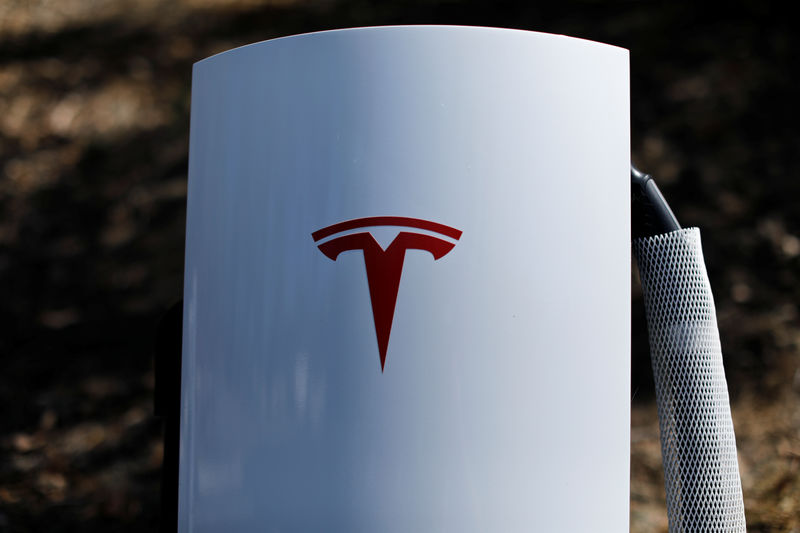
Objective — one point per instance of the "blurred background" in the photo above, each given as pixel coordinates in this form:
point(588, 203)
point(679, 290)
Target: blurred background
point(94, 125)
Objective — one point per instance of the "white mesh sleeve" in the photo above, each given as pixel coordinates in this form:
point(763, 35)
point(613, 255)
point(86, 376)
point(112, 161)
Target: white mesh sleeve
point(701, 473)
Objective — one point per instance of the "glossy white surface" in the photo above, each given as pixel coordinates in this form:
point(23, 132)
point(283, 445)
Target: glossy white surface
point(504, 404)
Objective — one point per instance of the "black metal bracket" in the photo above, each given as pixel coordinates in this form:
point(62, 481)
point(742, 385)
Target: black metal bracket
point(167, 405)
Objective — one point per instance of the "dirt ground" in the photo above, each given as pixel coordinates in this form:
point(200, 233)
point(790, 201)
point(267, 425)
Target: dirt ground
point(94, 103)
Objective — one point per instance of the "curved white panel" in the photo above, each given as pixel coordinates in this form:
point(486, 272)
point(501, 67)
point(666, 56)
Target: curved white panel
point(504, 401)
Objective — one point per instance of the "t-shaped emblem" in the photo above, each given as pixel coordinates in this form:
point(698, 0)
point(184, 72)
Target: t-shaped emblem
point(384, 267)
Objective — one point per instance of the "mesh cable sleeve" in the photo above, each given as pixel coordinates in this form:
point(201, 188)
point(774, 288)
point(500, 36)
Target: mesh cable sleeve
point(698, 446)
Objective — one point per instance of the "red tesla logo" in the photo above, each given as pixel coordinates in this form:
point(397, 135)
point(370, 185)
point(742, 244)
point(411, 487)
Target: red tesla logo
point(384, 267)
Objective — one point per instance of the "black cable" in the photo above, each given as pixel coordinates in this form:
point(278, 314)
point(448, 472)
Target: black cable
point(650, 212)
